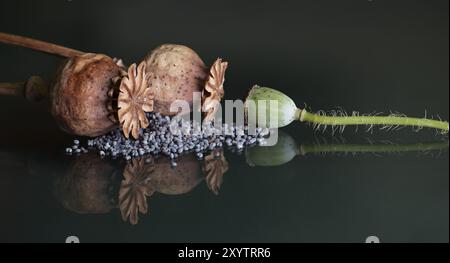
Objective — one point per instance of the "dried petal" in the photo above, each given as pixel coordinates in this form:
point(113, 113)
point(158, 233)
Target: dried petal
point(119, 62)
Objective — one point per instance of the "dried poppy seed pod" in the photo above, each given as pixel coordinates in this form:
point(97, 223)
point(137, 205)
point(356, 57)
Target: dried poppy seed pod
point(102, 93)
point(79, 96)
point(174, 72)
point(169, 73)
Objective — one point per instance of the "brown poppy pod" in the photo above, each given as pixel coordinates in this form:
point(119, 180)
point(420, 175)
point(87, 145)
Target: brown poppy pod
point(174, 72)
point(93, 93)
point(79, 96)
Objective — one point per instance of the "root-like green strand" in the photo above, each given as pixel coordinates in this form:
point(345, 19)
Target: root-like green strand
point(323, 120)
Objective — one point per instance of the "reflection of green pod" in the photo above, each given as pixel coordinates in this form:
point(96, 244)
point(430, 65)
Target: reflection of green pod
point(286, 149)
point(282, 152)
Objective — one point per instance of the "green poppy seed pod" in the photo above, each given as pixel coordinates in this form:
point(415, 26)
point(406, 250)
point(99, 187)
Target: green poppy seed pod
point(282, 152)
point(270, 108)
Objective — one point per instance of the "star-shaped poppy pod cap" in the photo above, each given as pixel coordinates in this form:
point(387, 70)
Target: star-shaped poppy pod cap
point(134, 100)
point(213, 91)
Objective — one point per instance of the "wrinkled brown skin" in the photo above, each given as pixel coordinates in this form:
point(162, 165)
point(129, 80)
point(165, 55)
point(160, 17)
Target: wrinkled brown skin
point(174, 72)
point(85, 187)
point(80, 94)
point(176, 180)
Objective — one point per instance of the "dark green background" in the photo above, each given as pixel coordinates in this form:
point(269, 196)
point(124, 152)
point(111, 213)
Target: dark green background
point(363, 55)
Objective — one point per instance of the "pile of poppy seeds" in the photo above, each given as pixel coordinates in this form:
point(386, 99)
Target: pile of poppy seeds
point(159, 139)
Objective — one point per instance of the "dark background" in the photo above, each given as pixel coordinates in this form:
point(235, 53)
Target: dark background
point(360, 55)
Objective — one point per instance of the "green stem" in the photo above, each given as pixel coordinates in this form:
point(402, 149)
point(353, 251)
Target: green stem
point(305, 116)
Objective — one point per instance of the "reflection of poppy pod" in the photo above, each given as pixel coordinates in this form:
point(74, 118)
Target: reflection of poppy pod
point(284, 151)
point(176, 180)
point(87, 187)
point(135, 189)
point(144, 176)
point(214, 167)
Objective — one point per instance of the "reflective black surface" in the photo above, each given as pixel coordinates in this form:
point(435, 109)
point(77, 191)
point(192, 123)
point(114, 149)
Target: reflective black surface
point(314, 192)
point(362, 55)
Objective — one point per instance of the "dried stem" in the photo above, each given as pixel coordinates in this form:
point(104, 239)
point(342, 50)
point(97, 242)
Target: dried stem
point(38, 45)
point(12, 88)
point(34, 89)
